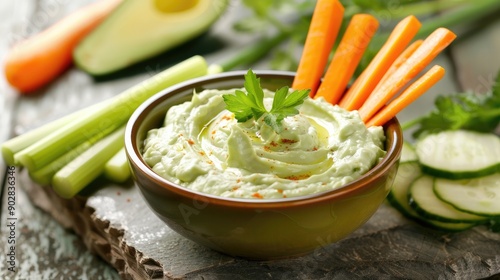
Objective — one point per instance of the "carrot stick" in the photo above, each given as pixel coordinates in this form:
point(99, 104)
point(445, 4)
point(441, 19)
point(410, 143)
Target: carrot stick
point(34, 62)
point(323, 31)
point(347, 57)
point(402, 58)
point(414, 91)
point(400, 37)
point(423, 55)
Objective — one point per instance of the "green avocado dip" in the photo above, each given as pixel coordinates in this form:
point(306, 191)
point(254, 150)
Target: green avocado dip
point(202, 147)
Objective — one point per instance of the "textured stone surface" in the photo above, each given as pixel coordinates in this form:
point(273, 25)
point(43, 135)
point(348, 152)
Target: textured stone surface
point(116, 224)
point(44, 248)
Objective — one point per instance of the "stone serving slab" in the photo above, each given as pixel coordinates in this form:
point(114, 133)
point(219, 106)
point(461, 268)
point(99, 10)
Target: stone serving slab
point(116, 224)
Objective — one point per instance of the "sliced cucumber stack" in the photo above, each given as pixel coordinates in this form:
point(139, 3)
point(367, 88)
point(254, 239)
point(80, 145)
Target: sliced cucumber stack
point(399, 198)
point(459, 154)
point(426, 187)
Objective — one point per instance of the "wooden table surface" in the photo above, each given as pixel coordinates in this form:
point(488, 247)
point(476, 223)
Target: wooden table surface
point(111, 234)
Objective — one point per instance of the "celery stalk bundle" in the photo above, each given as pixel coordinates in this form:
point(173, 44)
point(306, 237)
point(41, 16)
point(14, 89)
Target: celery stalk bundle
point(70, 152)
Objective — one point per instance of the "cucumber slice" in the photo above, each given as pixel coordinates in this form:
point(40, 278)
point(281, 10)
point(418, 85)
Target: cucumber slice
point(408, 153)
point(398, 198)
point(459, 154)
point(449, 226)
point(427, 204)
point(480, 196)
point(398, 195)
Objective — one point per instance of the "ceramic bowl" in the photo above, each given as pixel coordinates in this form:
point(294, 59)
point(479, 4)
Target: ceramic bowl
point(255, 229)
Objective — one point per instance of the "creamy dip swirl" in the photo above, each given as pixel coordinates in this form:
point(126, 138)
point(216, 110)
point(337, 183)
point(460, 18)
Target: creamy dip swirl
point(203, 148)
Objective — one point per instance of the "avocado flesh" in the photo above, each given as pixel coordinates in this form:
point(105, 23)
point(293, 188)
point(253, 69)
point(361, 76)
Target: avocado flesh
point(140, 29)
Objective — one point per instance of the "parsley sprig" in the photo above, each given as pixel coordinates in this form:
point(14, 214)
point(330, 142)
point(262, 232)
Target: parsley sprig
point(246, 106)
point(478, 112)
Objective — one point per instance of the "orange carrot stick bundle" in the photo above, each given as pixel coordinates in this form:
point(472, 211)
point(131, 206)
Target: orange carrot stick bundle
point(347, 57)
point(409, 69)
point(399, 38)
point(323, 31)
point(38, 60)
point(414, 91)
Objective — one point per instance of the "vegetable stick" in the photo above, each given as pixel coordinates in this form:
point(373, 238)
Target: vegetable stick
point(34, 62)
point(399, 38)
point(323, 31)
point(14, 145)
point(117, 168)
point(423, 55)
point(414, 91)
point(82, 170)
point(43, 175)
point(347, 57)
point(402, 58)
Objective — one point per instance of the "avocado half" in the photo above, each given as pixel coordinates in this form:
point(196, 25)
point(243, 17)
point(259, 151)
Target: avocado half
point(140, 29)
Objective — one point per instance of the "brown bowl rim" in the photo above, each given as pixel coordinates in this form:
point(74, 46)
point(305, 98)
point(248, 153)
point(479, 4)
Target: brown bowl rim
point(392, 153)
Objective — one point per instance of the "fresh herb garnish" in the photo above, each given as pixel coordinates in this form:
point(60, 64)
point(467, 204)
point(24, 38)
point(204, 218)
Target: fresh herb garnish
point(478, 112)
point(246, 106)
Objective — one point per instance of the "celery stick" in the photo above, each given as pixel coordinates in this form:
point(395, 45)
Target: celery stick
point(43, 176)
point(77, 174)
point(117, 168)
point(114, 115)
point(20, 142)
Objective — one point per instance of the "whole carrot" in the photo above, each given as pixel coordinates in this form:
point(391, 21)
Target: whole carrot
point(38, 60)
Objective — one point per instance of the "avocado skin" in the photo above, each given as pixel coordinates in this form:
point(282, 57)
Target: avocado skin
point(138, 30)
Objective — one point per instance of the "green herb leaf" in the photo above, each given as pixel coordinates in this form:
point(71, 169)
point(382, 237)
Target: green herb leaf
point(478, 112)
point(252, 85)
point(279, 98)
point(240, 105)
point(296, 98)
point(251, 104)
